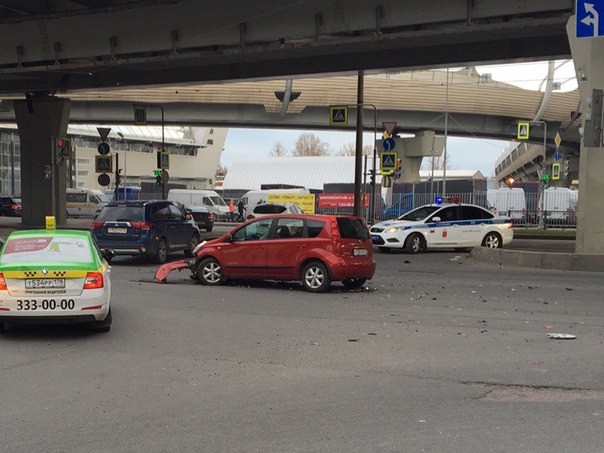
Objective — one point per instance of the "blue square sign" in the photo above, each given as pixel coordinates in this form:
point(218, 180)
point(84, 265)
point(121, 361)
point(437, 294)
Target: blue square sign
point(590, 18)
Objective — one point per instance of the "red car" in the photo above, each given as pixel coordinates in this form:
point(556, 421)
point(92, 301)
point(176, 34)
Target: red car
point(314, 249)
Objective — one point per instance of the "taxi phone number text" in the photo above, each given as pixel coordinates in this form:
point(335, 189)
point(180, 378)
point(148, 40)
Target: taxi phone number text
point(51, 304)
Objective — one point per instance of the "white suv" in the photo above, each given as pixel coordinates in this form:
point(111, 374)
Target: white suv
point(443, 225)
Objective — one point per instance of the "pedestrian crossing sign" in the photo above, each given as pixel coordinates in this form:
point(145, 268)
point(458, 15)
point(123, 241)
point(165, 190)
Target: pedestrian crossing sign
point(388, 162)
point(523, 131)
point(338, 115)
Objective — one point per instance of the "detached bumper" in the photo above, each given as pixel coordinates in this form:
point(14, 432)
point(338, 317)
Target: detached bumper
point(162, 272)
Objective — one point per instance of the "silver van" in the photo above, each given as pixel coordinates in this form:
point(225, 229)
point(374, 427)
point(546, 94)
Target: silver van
point(85, 202)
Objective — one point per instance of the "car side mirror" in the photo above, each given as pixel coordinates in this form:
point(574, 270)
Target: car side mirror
point(108, 254)
point(436, 219)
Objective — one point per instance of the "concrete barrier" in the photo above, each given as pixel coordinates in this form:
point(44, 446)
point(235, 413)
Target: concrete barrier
point(541, 260)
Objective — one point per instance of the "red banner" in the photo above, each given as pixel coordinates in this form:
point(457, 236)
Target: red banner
point(339, 200)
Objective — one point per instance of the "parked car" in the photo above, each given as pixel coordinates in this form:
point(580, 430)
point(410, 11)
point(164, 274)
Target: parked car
point(10, 206)
point(202, 216)
point(149, 228)
point(274, 208)
point(85, 202)
point(54, 276)
point(313, 249)
point(443, 225)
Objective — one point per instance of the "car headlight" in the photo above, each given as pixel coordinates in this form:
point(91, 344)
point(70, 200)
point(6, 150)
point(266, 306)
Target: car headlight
point(394, 229)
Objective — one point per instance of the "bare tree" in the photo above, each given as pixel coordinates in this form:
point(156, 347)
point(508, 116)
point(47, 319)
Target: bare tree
point(278, 150)
point(349, 149)
point(439, 163)
point(310, 145)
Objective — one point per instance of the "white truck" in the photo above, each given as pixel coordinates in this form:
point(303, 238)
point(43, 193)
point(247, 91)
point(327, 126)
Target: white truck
point(207, 198)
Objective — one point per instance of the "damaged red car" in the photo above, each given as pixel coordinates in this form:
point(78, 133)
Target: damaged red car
point(314, 249)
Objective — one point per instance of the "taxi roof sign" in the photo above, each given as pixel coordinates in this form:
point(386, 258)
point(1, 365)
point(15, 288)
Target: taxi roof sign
point(523, 130)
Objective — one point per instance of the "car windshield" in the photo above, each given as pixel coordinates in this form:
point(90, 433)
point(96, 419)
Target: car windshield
point(198, 208)
point(121, 213)
point(419, 214)
point(104, 198)
point(218, 201)
point(46, 250)
point(17, 200)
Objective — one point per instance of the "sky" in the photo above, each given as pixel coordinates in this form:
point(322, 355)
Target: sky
point(463, 153)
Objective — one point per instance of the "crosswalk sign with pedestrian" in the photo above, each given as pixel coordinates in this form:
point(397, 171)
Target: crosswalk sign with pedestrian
point(523, 131)
point(388, 162)
point(338, 115)
point(104, 164)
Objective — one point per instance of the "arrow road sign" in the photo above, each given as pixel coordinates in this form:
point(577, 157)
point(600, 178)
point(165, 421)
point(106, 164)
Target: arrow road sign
point(557, 155)
point(590, 18)
point(389, 144)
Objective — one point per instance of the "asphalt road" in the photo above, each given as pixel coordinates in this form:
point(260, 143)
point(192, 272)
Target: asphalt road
point(438, 353)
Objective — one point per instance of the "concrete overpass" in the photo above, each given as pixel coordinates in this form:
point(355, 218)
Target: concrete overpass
point(58, 47)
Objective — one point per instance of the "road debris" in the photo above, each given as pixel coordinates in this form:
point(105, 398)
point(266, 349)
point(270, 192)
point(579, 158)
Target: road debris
point(561, 336)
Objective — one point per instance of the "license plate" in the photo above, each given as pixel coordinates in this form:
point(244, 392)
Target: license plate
point(117, 230)
point(375, 237)
point(42, 283)
point(360, 252)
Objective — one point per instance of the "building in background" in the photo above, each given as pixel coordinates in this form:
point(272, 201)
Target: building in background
point(194, 155)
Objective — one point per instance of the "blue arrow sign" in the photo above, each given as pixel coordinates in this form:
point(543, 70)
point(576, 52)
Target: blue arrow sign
point(389, 144)
point(557, 155)
point(590, 18)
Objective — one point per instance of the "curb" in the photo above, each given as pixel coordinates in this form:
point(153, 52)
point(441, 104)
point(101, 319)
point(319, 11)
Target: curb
point(541, 260)
point(544, 237)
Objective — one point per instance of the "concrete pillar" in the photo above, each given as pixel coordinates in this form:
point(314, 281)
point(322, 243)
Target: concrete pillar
point(40, 120)
point(588, 56)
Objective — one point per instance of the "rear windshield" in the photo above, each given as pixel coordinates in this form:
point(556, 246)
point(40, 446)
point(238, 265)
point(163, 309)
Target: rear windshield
point(269, 209)
point(47, 250)
point(352, 228)
point(121, 213)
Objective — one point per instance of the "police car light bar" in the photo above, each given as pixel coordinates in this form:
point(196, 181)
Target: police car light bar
point(439, 200)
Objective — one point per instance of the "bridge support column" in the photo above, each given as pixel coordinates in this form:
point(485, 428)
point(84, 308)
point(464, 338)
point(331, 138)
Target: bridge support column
point(40, 120)
point(588, 56)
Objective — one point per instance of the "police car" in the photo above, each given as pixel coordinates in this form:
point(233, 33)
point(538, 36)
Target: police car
point(444, 224)
point(54, 276)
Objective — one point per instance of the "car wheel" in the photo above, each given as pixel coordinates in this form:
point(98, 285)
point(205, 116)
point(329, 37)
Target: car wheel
point(492, 241)
point(315, 277)
point(354, 283)
point(414, 243)
point(105, 324)
point(384, 249)
point(161, 255)
point(194, 243)
point(209, 272)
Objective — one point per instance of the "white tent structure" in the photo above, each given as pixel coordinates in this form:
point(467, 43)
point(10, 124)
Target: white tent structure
point(311, 172)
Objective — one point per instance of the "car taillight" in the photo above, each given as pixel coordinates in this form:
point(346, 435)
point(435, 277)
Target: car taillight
point(94, 280)
point(96, 225)
point(15, 207)
point(141, 225)
point(2, 283)
point(211, 216)
point(335, 231)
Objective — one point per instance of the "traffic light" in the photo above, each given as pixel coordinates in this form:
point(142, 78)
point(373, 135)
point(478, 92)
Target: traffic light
point(63, 150)
point(158, 180)
point(545, 181)
point(47, 172)
point(396, 174)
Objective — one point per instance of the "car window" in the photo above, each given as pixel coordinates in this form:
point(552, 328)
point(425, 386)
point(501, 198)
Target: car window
point(46, 250)
point(121, 213)
point(419, 214)
point(290, 228)
point(269, 209)
point(351, 228)
point(75, 198)
point(94, 199)
point(447, 214)
point(160, 211)
point(314, 228)
point(474, 213)
point(175, 213)
point(206, 201)
point(254, 231)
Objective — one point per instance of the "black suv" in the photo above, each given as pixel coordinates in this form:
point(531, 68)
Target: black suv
point(150, 228)
point(10, 206)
